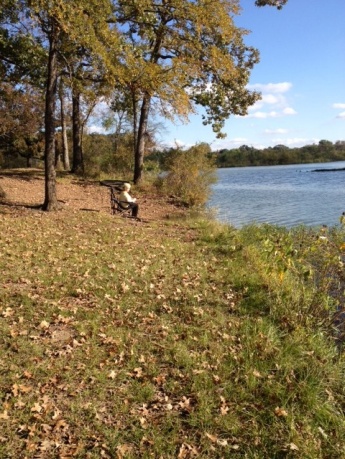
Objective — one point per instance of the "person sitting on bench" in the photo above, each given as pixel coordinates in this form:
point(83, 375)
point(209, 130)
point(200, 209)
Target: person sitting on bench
point(126, 200)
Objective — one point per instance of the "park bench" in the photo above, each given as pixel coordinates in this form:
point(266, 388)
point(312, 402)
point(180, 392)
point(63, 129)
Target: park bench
point(116, 206)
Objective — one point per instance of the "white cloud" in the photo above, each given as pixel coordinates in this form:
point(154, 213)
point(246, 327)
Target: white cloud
point(294, 141)
point(273, 102)
point(239, 140)
point(264, 115)
point(275, 88)
point(267, 99)
point(276, 131)
point(289, 111)
point(94, 129)
point(229, 143)
point(341, 106)
point(270, 99)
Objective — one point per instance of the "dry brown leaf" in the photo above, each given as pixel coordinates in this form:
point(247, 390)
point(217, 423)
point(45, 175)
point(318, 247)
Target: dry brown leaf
point(19, 404)
point(257, 374)
point(143, 422)
point(61, 425)
point(293, 447)
point(280, 412)
point(123, 450)
point(187, 451)
point(112, 374)
point(15, 390)
point(24, 389)
point(8, 312)
point(46, 445)
point(44, 325)
point(211, 437)
point(124, 287)
point(37, 408)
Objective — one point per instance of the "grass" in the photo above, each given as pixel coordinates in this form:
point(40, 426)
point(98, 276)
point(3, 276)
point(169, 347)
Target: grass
point(174, 339)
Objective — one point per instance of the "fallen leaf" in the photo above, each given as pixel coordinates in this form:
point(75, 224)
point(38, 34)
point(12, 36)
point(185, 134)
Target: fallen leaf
point(187, 451)
point(8, 312)
point(213, 438)
point(280, 412)
point(46, 445)
point(61, 424)
point(257, 374)
point(112, 374)
point(293, 447)
point(37, 408)
point(15, 390)
point(24, 389)
point(124, 287)
point(123, 450)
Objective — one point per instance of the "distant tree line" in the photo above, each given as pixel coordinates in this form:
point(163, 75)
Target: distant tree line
point(324, 151)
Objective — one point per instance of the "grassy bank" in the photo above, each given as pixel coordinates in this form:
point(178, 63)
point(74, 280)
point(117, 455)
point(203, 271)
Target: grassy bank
point(167, 339)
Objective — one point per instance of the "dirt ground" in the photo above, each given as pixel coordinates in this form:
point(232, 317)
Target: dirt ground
point(24, 190)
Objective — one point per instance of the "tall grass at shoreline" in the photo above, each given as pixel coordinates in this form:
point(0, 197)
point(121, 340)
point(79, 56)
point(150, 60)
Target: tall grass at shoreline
point(168, 340)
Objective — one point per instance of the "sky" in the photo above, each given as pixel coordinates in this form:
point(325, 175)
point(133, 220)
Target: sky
point(301, 75)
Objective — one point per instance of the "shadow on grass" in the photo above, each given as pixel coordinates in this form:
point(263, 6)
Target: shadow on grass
point(23, 174)
point(20, 205)
point(39, 174)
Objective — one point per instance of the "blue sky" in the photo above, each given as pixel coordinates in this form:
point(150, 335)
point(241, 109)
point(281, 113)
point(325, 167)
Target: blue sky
point(301, 76)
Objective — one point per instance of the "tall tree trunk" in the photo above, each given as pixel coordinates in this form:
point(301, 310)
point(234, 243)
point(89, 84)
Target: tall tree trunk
point(2, 193)
point(135, 122)
point(50, 201)
point(65, 152)
point(78, 159)
point(58, 155)
point(141, 139)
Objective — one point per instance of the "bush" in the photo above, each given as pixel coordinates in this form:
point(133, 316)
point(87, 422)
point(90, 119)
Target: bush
point(189, 175)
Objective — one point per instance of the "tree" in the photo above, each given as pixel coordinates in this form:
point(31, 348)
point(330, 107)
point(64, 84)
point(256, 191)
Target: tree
point(85, 74)
point(19, 59)
point(83, 103)
point(64, 141)
point(52, 29)
point(48, 21)
point(277, 3)
point(182, 54)
point(21, 120)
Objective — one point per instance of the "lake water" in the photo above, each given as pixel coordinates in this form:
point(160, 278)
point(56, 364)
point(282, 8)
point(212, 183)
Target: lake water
point(281, 195)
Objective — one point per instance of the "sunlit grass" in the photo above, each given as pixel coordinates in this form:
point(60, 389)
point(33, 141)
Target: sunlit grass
point(166, 340)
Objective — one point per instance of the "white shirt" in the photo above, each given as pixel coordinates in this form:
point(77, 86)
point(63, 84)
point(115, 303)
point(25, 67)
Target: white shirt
point(126, 197)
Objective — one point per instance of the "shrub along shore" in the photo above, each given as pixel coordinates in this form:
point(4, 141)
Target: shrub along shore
point(174, 338)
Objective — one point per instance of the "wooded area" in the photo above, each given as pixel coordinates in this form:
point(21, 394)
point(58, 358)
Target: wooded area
point(324, 151)
point(142, 57)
